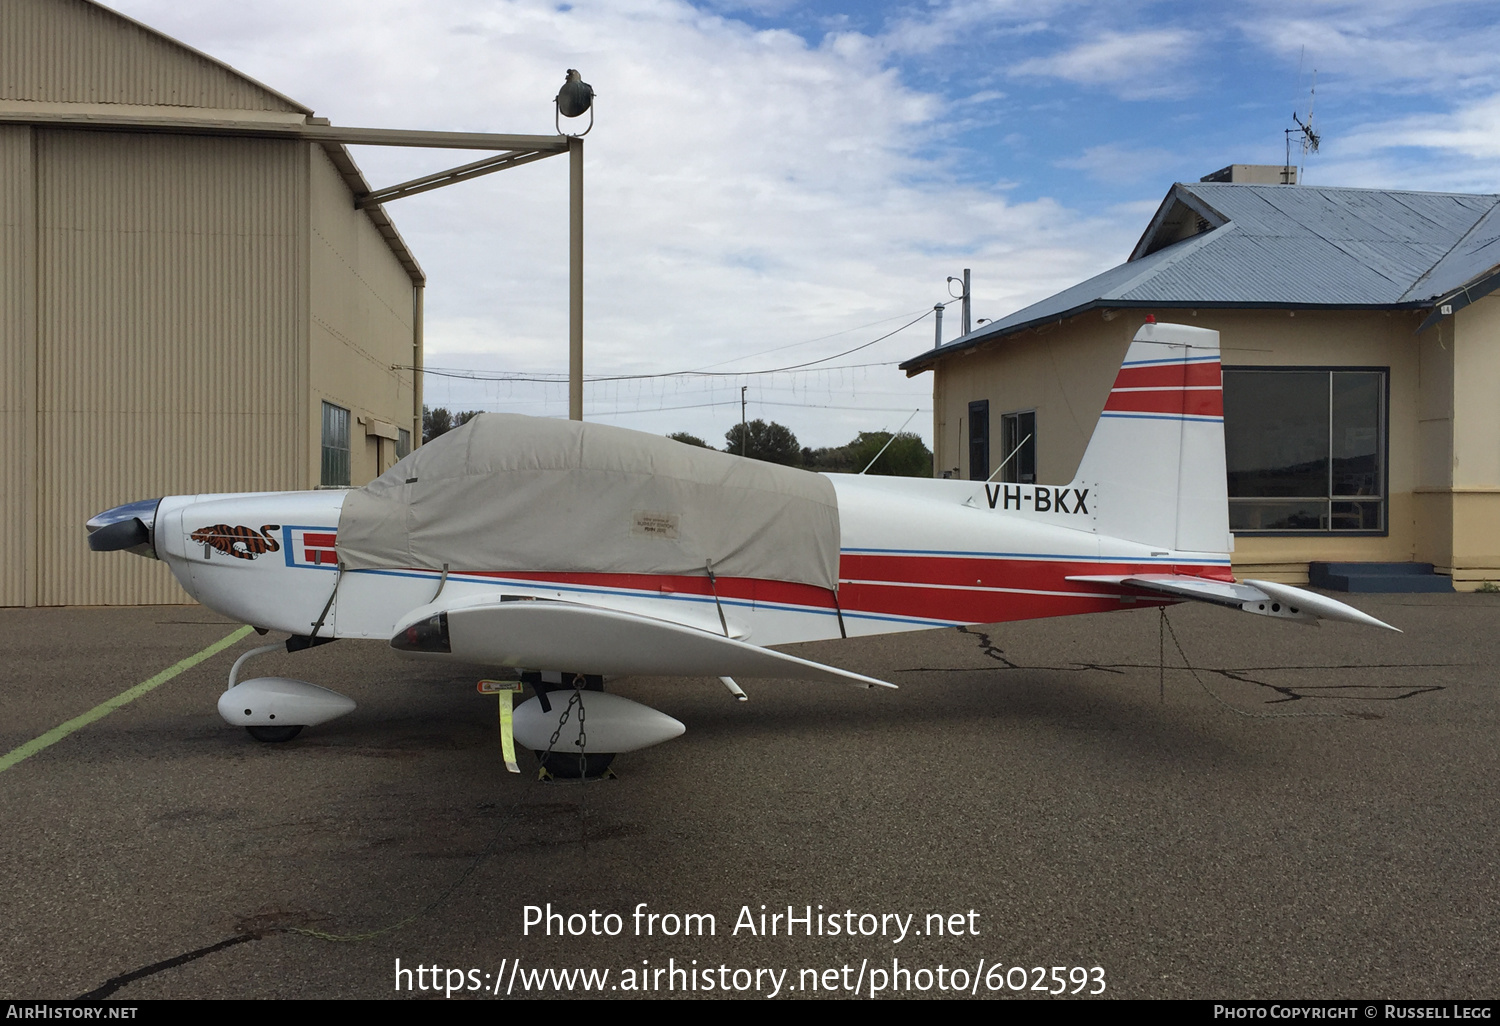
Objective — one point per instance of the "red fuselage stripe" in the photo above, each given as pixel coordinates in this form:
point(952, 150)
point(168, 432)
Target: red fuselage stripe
point(925, 587)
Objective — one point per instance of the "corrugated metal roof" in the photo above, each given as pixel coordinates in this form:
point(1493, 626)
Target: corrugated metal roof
point(79, 51)
point(1287, 246)
point(1469, 259)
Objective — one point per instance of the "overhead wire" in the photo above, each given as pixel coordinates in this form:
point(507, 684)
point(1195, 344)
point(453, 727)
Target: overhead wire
point(658, 385)
point(754, 402)
point(547, 378)
point(805, 342)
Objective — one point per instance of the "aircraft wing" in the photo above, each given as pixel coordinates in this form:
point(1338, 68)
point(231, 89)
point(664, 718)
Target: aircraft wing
point(552, 634)
point(1267, 597)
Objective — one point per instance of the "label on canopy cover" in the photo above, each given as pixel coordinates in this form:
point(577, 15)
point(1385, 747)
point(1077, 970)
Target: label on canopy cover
point(652, 524)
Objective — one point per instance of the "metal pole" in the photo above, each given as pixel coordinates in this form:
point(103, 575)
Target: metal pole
point(575, 278)
point(937, 309)
point(968, 325)
point(744, 432)
point(418, 301)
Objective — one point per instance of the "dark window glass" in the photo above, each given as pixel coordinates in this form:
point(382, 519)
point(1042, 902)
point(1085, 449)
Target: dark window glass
point(1018, 442)
point(335, 445)
point(1278, 444)
point(403, 443)
point(979, 440)
point(1300, 445)
point(1356, 440)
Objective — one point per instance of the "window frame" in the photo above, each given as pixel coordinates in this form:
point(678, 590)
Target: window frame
point(1385, 455)
point(326, 448)
point(1010, 473)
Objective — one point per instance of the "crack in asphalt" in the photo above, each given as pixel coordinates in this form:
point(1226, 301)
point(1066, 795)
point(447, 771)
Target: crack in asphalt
point(259, 927)
point(989, 648)
point(114, 983)
point(1287, 692)
point(1292, 693)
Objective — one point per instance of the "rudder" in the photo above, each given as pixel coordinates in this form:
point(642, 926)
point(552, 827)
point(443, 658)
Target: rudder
point(1156, 459)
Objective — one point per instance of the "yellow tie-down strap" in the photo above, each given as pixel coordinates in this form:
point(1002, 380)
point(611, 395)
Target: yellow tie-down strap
point(503, 690)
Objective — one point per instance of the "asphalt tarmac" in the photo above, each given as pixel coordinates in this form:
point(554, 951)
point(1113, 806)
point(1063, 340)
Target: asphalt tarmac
point(1313, 816)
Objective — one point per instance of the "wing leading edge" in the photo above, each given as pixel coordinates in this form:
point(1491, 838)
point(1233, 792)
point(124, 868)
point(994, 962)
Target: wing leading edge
point(1265, 598)
point(548, 634)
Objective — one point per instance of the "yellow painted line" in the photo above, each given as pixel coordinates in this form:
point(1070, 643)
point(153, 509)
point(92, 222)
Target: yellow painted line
point(102, 710)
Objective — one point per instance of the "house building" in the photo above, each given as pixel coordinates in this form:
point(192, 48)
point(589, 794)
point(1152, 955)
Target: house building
point(1361, 352)
point(190, 300)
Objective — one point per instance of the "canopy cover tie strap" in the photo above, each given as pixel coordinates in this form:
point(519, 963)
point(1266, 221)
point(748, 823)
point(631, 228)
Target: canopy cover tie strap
point(713, 582)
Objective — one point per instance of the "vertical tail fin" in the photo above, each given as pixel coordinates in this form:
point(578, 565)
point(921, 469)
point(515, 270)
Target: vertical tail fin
point(1156, 460)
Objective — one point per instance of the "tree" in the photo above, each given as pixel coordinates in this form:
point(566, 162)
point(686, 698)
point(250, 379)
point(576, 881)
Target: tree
point(830, 459)
point(908, 455)
point(687, 439)
point(435, 422)
point(758, 440)
point(440, 421)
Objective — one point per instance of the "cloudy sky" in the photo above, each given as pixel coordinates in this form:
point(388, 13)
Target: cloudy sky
point(775, 183)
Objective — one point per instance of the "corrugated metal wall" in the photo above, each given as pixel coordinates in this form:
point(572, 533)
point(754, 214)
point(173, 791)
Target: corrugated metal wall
point(169, 336)
point(71, 51)
point(362, 311)
point(17, 373)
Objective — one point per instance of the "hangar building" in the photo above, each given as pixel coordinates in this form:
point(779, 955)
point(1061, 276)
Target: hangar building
point(189, 299)
point(1361, 353)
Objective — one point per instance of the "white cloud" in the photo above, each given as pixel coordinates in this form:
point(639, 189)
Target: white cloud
point(1116, 163)
point(956, 22)
point(1454, 151)
point(1472, 132)
point(744, 189)
point(1437, 46)
point(1133, 65)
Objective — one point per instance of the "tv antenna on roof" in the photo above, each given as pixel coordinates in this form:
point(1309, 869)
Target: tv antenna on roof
point(1309, 138)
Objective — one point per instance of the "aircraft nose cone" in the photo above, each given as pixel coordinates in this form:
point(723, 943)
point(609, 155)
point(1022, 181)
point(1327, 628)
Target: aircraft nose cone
point(131, 528)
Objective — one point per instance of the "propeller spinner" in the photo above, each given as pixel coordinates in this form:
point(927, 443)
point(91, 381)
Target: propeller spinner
point(128, 528)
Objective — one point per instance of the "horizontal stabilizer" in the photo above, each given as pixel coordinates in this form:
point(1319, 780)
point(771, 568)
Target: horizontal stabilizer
point(1320, 606)
point(1265, 597)
point(545, 634)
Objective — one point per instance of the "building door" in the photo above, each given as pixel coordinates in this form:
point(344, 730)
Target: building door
point(979, 440)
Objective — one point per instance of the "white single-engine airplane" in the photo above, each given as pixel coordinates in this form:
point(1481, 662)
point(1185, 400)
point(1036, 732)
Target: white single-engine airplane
point(577, 551)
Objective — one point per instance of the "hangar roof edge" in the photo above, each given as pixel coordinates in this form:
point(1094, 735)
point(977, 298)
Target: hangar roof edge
point(173, 40)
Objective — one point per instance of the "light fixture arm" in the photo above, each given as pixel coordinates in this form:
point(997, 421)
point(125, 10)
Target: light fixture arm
point(557, 119)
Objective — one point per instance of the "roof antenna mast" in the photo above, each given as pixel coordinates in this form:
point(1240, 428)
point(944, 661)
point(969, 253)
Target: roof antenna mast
point(1309, 138)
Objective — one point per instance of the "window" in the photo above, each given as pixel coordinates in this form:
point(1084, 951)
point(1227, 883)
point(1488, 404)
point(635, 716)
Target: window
point(1306, 449)
point(403, 443)
point(979, 440)
point(335, 445)
point(1018, 445)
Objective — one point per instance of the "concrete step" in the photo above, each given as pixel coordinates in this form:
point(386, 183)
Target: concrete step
point(1377, 577)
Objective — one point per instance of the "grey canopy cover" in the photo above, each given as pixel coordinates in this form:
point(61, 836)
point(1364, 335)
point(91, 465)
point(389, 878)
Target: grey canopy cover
point(511, 493)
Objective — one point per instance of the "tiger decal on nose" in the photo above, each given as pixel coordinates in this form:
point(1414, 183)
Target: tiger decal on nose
point(240, 542)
